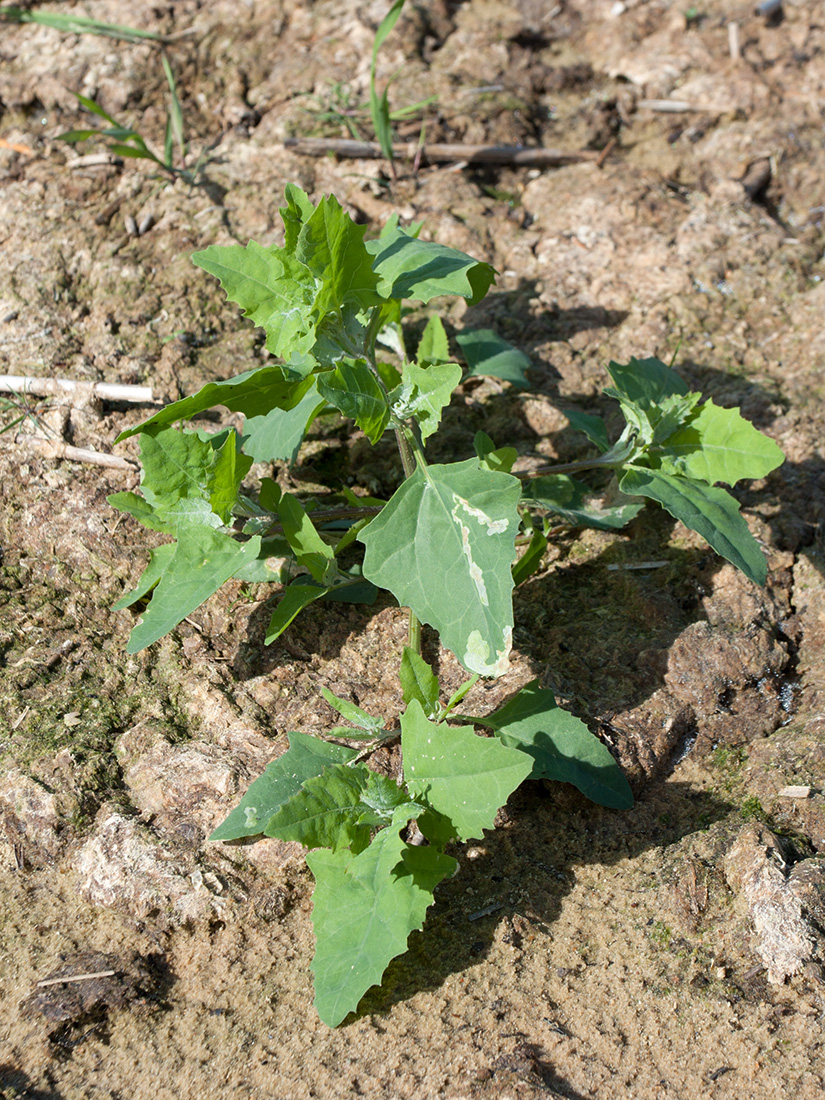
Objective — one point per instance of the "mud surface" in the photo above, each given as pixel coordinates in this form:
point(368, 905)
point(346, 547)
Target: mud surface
point(671, 951)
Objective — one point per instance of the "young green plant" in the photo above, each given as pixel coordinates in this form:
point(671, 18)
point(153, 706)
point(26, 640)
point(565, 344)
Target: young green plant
point(444, 545)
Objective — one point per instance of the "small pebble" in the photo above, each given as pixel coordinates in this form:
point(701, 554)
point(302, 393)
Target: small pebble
point(146, 223)
point(131, 225)
point(795, 792)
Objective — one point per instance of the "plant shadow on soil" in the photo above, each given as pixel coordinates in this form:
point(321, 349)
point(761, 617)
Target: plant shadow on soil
point(525, 871)
point(16, 1085)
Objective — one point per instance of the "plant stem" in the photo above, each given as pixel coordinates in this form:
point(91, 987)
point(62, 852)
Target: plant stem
point(567, 468)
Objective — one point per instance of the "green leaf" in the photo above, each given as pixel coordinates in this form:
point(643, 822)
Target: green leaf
point(269, 495)
point(271, 566)
point(443, 546)
point(418, 681)
point(273, 288)
point(295, 214)
point(570, 499)
point(718, 445)
point(351, 713)
point(433, 347)
point(654, 399)
point(530, 561)
point(409, 268)
point(465, 777)
point(159, 560)
point(278, 435)
point(710, 511)
point(304, 591)
point(364, 909)
point(492, 458)
point(254, 393)
point(144, 512)
point(645, 382)
point(73, 136)
point(593, 427)
point(384, 800)
point(331, 246)
point(488, 354)
point(204, 559)
point(79, 24)
point(186, 478)
point(380, 115)
point(326, 812)
point(231, 467)
point(353, 389)
point(306, 757)
point(293, 601)
point(339, 808)
point(424, 392)
point(561, 746)
point(309, 548)
point(175, 118)
point(379, 106)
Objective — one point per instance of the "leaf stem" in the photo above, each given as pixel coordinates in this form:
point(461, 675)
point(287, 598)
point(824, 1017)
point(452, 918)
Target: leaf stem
point(568, 468)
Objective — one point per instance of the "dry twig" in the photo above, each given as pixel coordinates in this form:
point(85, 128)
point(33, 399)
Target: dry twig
point(519, 156)
point(50, 387)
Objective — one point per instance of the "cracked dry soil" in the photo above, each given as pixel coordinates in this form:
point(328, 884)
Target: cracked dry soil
point(671, 951)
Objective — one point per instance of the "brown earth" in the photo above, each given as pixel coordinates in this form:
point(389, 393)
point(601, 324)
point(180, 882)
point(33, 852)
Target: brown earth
point(671, 951)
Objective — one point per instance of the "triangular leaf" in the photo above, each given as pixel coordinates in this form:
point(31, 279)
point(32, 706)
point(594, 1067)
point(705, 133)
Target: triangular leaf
point(331, 246)
point(433, 347)
point(306, 756)
point(204, 559)
point(353, 389)
point(561, 745)
point(710, 511)
point(325, 812)
point(443, 546)
point(254, 393)
point(159, 560)
point(272, 288)
point(488, 354)
point(351, 713)
point(718, 445)
point(645, 382)
point(309, 548)
point(424, 393)
point(278, 435)
point(571, 499)
point(409, 268)
point(364, 909)
point(418, 681)
point(593, 427)
point(465, 777)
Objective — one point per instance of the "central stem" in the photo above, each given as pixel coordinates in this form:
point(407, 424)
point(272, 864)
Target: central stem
point(408, 462)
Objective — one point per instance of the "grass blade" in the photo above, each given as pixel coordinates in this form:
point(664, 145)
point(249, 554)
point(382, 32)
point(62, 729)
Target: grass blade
point(78, 24)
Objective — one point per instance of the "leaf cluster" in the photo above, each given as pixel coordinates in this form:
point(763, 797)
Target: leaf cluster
point(444, 544)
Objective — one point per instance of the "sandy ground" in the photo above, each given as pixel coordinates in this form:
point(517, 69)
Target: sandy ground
point(672, 951)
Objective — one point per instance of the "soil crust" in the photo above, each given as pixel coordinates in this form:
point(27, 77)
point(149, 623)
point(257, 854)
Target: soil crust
point(674, 950)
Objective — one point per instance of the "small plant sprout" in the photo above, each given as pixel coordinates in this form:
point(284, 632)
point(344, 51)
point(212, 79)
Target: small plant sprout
point(125, 141)
point(444, 545)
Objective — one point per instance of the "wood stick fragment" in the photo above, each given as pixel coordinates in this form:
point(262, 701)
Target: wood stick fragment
point(55, 449)
point(95, 160)
point(733, 42)
point(16, 147)
point(671, 106)
point(77, 978)
point(48, 387)
point(519, 156)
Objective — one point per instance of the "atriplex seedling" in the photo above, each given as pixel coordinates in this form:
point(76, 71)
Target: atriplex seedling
point(444, 545)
